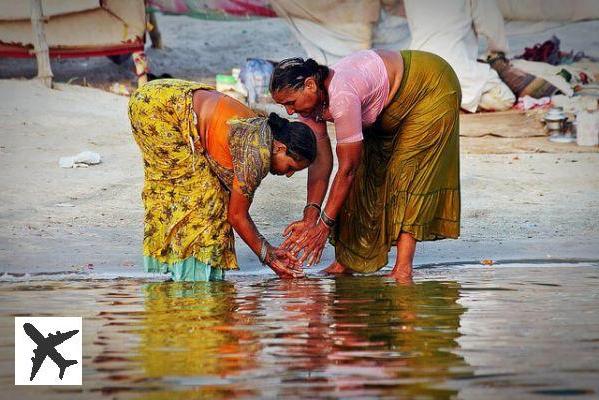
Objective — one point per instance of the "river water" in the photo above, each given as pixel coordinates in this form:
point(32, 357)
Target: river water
point(503, 331)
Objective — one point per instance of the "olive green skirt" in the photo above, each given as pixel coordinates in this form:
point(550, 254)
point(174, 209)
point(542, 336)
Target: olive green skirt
point(409, 177)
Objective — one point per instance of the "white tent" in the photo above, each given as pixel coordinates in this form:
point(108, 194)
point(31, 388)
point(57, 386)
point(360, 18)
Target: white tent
point(67, 28)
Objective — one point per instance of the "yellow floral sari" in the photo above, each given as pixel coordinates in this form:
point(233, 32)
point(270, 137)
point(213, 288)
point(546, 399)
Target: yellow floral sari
point(186, 193)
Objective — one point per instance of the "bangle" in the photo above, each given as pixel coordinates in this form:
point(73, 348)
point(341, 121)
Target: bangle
point(263, 251)
point(328, 221)
point(315, 205)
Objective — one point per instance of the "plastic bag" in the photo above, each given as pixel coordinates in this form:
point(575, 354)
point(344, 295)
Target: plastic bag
point(83, 159)
point(255, 75)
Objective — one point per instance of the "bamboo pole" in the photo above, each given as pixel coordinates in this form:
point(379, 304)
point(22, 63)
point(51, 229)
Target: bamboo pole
point(155, 35)
point(42, 54)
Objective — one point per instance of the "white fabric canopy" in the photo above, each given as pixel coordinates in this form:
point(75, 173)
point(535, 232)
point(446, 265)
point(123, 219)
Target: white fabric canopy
point(75, 24)
point(331, 30)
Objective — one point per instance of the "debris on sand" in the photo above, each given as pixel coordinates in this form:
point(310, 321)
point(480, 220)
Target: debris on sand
point(83, 159)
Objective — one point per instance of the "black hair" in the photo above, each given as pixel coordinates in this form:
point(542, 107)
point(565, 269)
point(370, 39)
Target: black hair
point(297, 136)
point(292, 73)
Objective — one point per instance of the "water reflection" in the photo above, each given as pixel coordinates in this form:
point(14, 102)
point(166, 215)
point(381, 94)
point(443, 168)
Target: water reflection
point(402, 336)
point(194, 334)
point(523, 332)
point(305, 338)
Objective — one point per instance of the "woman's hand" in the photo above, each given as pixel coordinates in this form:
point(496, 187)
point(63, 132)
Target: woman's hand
point(312, 243)
point(284, 263)
point(281, 261)
point(296, 229)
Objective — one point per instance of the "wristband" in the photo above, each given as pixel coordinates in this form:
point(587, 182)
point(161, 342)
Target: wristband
point(315, 205)
point(328, 221)
point(263, 251)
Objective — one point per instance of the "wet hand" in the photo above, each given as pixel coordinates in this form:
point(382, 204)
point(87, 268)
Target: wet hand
point(294, 232)
point(312, 243)
point(284, 263)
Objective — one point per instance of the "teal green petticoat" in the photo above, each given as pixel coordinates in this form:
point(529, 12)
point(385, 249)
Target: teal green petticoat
point(188, 270)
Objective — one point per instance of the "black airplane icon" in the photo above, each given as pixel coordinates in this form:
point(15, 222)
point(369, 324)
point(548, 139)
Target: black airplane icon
point(46, 347)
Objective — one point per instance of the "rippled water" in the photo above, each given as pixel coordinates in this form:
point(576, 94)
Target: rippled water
point(471, 332)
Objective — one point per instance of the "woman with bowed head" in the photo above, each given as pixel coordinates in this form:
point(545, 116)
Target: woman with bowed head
point(204, 156)
point(396, 120)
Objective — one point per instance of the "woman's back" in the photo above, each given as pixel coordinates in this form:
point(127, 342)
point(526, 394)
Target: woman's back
point(214, 110)
point(362, 76)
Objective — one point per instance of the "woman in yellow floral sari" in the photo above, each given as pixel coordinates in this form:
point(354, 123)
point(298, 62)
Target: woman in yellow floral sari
point(204, 156)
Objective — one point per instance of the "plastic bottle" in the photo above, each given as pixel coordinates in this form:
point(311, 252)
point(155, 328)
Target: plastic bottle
point(587, 124)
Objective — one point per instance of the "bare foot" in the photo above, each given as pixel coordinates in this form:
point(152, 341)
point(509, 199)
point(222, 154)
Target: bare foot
point(402, 275)
point(336, 269)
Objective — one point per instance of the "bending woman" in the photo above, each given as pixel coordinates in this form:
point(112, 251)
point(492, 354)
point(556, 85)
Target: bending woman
point(396, 118)
point(204, 156)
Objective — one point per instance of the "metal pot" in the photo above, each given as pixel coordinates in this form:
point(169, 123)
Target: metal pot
point(556, 125)
point(556, 122)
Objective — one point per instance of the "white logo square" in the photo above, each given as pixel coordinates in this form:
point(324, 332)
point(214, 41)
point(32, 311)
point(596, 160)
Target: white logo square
point(48, 350)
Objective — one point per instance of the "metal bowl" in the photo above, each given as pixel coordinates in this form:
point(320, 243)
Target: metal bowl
point(555, 125)
point(555, 114)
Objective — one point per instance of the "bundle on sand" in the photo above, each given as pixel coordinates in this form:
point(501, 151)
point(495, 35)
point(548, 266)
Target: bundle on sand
point(520, 82)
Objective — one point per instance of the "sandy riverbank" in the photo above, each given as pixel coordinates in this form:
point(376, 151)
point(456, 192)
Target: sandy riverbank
point(522, 198)
point(516, 205)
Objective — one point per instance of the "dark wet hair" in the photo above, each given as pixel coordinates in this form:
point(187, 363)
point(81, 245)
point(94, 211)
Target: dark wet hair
point(292, 72)
point(297, 136)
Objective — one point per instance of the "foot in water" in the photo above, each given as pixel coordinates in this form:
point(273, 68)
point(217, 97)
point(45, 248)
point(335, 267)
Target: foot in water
point(336, 269)
point(401, 275)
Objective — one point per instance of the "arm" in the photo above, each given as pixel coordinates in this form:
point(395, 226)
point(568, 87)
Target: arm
point(347, 112)
point(239, 218)
point(346, 109)
point(281, 262)
point(319, 173)
point(349, 156)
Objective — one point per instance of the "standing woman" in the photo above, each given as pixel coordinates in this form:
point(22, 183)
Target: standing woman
point(396, 118)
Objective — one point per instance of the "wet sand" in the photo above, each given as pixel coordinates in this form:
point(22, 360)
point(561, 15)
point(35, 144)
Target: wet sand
point(503, 331)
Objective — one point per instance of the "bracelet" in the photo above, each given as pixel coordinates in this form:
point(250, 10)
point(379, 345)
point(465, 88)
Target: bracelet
point(328, 221)
point(315, 205)
point(263, 251)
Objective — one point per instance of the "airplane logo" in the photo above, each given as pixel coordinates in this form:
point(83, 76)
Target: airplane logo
point(46, 347)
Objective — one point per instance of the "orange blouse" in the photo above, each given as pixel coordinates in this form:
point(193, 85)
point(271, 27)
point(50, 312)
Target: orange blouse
point(238, 154)
point(217, 135)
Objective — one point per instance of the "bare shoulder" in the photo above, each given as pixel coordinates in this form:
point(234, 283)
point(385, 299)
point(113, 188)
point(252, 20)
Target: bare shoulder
point(394, 65)
point(204, 99)
point(235, 107)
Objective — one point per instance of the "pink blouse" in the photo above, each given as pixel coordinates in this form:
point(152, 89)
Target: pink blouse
point(357, 94)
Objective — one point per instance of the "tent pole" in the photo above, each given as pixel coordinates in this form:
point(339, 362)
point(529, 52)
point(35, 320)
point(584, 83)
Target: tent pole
point(155, 36)
point(42, 54)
